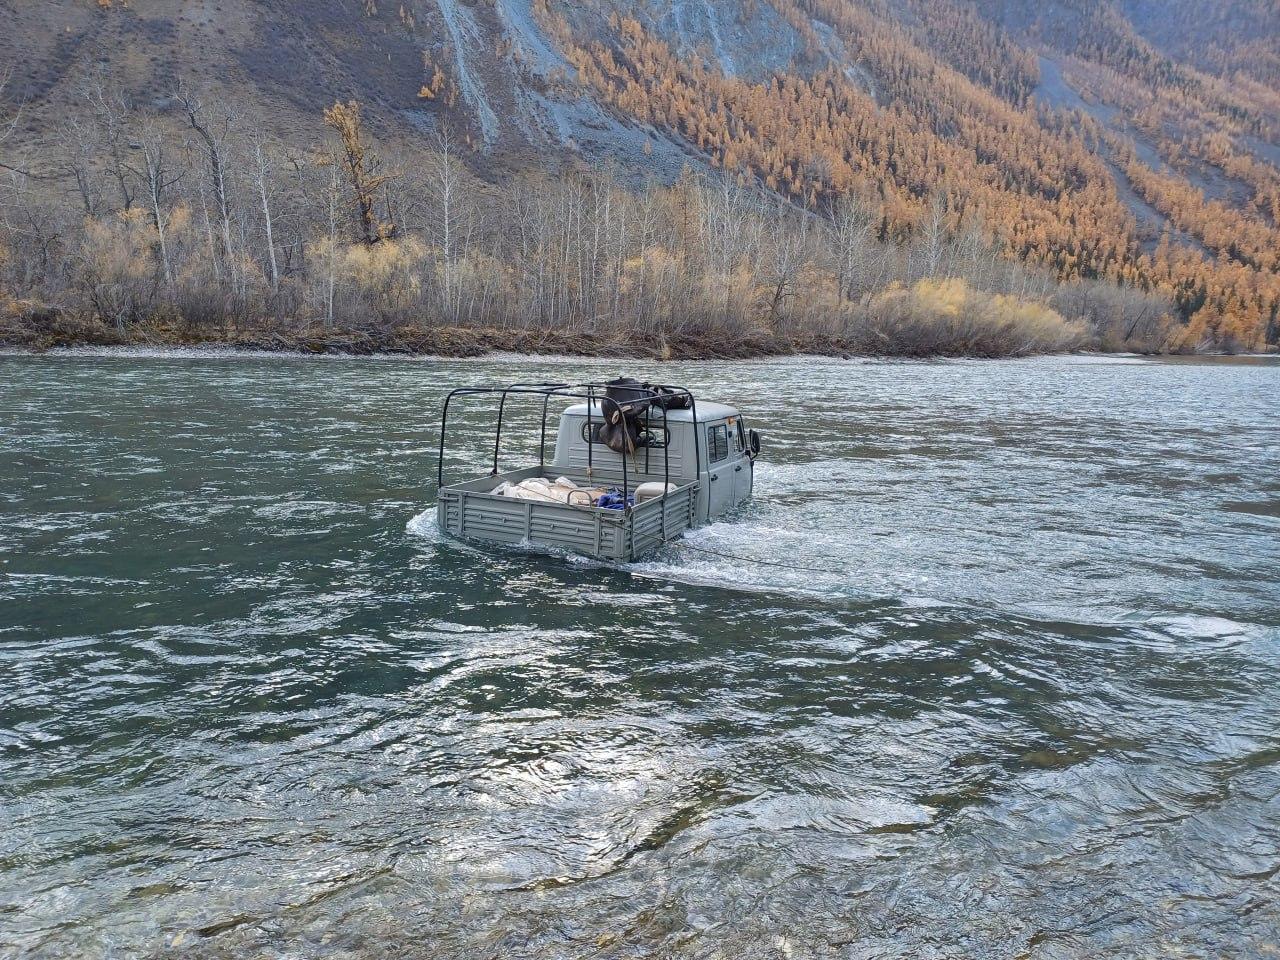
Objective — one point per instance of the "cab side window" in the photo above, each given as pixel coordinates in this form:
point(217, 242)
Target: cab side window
point(717, 442)
point(737, 443)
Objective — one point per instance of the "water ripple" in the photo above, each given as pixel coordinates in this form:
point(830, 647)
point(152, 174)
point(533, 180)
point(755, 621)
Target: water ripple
point(986, 669)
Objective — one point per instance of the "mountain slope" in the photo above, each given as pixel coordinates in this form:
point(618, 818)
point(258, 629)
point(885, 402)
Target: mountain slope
point(1123, 139)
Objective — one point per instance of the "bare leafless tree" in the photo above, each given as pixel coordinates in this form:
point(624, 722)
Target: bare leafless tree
point(8, 126)
point(331, 277)
point(853, 240)
point(782, 268)
point(112, 113)
point(158, 177)
point(930, 247)
point(444, 184)
point(263, 181)
point(213, 134)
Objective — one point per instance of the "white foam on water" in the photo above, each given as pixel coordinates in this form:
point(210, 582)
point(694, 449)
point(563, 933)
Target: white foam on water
point(423, 525)
point(728, 554)
point(302, 510)
point(1212, 629)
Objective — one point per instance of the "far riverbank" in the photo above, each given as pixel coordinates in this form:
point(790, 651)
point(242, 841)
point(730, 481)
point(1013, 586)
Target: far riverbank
point(452, 341)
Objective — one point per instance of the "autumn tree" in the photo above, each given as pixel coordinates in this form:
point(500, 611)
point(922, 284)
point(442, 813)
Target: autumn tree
point(361, 168)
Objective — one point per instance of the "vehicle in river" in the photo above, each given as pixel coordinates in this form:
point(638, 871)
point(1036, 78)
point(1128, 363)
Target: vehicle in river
point(634, 466)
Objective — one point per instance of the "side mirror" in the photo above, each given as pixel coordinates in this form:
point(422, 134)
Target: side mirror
point(753, 443)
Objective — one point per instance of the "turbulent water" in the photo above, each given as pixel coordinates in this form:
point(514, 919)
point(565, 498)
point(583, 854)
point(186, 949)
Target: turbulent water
point(1005, 681)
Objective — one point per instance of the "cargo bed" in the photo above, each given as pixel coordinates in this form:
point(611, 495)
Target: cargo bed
point(621, 435)
point(470, 510)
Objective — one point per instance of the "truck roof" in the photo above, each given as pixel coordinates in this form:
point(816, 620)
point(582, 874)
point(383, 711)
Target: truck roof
point(706, 411)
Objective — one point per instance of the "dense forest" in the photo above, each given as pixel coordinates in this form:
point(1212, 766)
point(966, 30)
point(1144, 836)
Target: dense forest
point(878, 175)
point(906, 132)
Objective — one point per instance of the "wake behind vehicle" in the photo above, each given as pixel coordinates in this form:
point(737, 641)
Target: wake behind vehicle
point(634, 465)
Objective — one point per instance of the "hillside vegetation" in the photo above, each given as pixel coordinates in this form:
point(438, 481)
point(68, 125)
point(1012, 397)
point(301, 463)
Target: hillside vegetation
point(520, 167)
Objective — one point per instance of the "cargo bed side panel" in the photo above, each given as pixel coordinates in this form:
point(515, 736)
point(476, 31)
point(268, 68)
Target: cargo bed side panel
point(647, 521)
point(471, 510)
point(479, 516)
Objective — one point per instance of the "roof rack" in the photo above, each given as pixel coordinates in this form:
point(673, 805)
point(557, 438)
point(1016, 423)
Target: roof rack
point(593, 393)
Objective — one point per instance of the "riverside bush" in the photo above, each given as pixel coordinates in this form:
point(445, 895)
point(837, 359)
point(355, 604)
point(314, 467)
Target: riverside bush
point(947, 317)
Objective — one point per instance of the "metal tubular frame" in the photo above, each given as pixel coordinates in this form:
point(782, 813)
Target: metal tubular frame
point(581, 391)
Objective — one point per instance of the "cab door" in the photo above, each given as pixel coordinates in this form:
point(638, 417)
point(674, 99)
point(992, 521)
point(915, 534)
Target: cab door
point(743, 465)
point(720, 473)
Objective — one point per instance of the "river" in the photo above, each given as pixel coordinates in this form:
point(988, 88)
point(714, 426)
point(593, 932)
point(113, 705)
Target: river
point(1005, 683)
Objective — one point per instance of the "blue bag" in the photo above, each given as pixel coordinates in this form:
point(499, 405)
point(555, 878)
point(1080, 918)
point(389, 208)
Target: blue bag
point(613, 500)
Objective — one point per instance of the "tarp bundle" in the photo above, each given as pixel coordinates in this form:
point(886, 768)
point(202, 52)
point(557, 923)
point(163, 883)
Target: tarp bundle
point(560, 490)
point(564, 490)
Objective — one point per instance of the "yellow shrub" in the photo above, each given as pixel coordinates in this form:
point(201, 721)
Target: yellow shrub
point(947, 316)
point(116, 268)
point(942, 297)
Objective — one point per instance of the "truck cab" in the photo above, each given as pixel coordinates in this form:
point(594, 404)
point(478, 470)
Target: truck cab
point(723, 464)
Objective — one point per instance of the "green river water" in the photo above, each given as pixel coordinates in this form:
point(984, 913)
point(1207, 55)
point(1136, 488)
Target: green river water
point(1008, 685)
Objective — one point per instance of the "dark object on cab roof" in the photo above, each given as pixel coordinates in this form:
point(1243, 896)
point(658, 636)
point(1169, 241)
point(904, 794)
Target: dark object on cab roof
point(633, 399)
